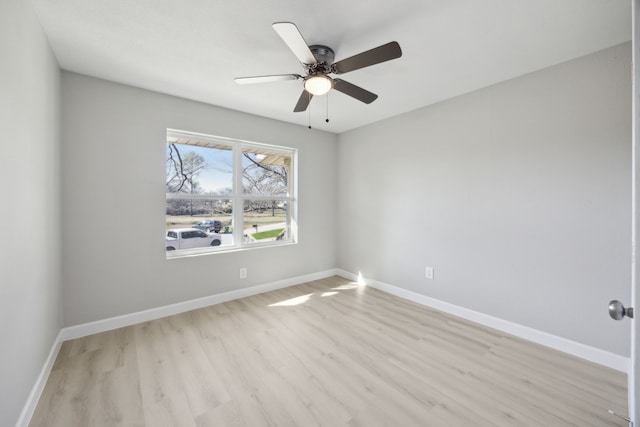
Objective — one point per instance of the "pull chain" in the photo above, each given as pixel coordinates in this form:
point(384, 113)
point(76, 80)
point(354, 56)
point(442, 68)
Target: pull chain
point(327, 120)
point(309, 109)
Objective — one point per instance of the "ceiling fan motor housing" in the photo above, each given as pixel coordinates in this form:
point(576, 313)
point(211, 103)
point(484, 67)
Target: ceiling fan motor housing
point(325, 57)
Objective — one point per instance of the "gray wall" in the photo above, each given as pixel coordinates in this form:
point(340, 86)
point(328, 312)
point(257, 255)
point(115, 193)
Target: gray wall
point(114, 201)
point(517, 194)
point(30, 278)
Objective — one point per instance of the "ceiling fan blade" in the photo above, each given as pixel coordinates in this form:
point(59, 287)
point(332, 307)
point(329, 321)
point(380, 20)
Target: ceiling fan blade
point(266, 79)
point(292, 37)
point(303, 102)
point(374, 56)
point(354, 91)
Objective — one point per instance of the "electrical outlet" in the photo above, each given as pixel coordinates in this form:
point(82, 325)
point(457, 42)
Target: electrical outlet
point(428, 272)
point(243, 273)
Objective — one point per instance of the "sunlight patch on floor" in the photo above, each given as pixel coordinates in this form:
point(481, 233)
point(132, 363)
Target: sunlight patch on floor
point(293, 301)
point(358, 285)
point(345, 287)
point(328, 294)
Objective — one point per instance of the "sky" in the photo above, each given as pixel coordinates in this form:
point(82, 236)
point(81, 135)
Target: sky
point(217, 176)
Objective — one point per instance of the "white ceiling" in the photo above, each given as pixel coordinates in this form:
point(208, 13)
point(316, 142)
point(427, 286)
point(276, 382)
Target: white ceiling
point(194, 48)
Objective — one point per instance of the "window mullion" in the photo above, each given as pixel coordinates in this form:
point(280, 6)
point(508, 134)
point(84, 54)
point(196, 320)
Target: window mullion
point(238, 200)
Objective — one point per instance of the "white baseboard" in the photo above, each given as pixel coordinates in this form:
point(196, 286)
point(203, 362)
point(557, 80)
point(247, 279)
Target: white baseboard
point(573, 348)
point(98, 326)
point(32, 401)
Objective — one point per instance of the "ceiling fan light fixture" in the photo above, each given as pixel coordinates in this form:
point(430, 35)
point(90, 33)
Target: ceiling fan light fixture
point(318, 85)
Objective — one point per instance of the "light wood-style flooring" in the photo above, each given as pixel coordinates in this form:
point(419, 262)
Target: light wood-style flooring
point(325, 353)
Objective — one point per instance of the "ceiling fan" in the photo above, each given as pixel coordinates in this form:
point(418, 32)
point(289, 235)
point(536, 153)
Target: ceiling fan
point(318, 63)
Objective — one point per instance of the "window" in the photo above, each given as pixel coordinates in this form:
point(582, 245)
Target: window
point(230, 194)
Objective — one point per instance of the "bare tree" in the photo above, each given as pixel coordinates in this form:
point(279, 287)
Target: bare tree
point(264, 179)
point(183, 170)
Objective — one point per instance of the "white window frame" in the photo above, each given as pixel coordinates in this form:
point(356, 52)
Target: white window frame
point(238, 198)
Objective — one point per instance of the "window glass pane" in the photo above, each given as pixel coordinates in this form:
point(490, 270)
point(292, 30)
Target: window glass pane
point(265, 173)
point(203, 170)
point(265, 220)
point(203, 217)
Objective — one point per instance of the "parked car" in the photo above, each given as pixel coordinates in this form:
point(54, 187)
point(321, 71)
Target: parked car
point(209, 225)
point(187, 238)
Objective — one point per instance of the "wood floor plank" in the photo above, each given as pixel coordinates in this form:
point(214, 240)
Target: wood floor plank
point(325, 353)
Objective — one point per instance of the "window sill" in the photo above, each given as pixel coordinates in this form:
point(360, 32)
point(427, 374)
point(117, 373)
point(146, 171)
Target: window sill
point(188, 253)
